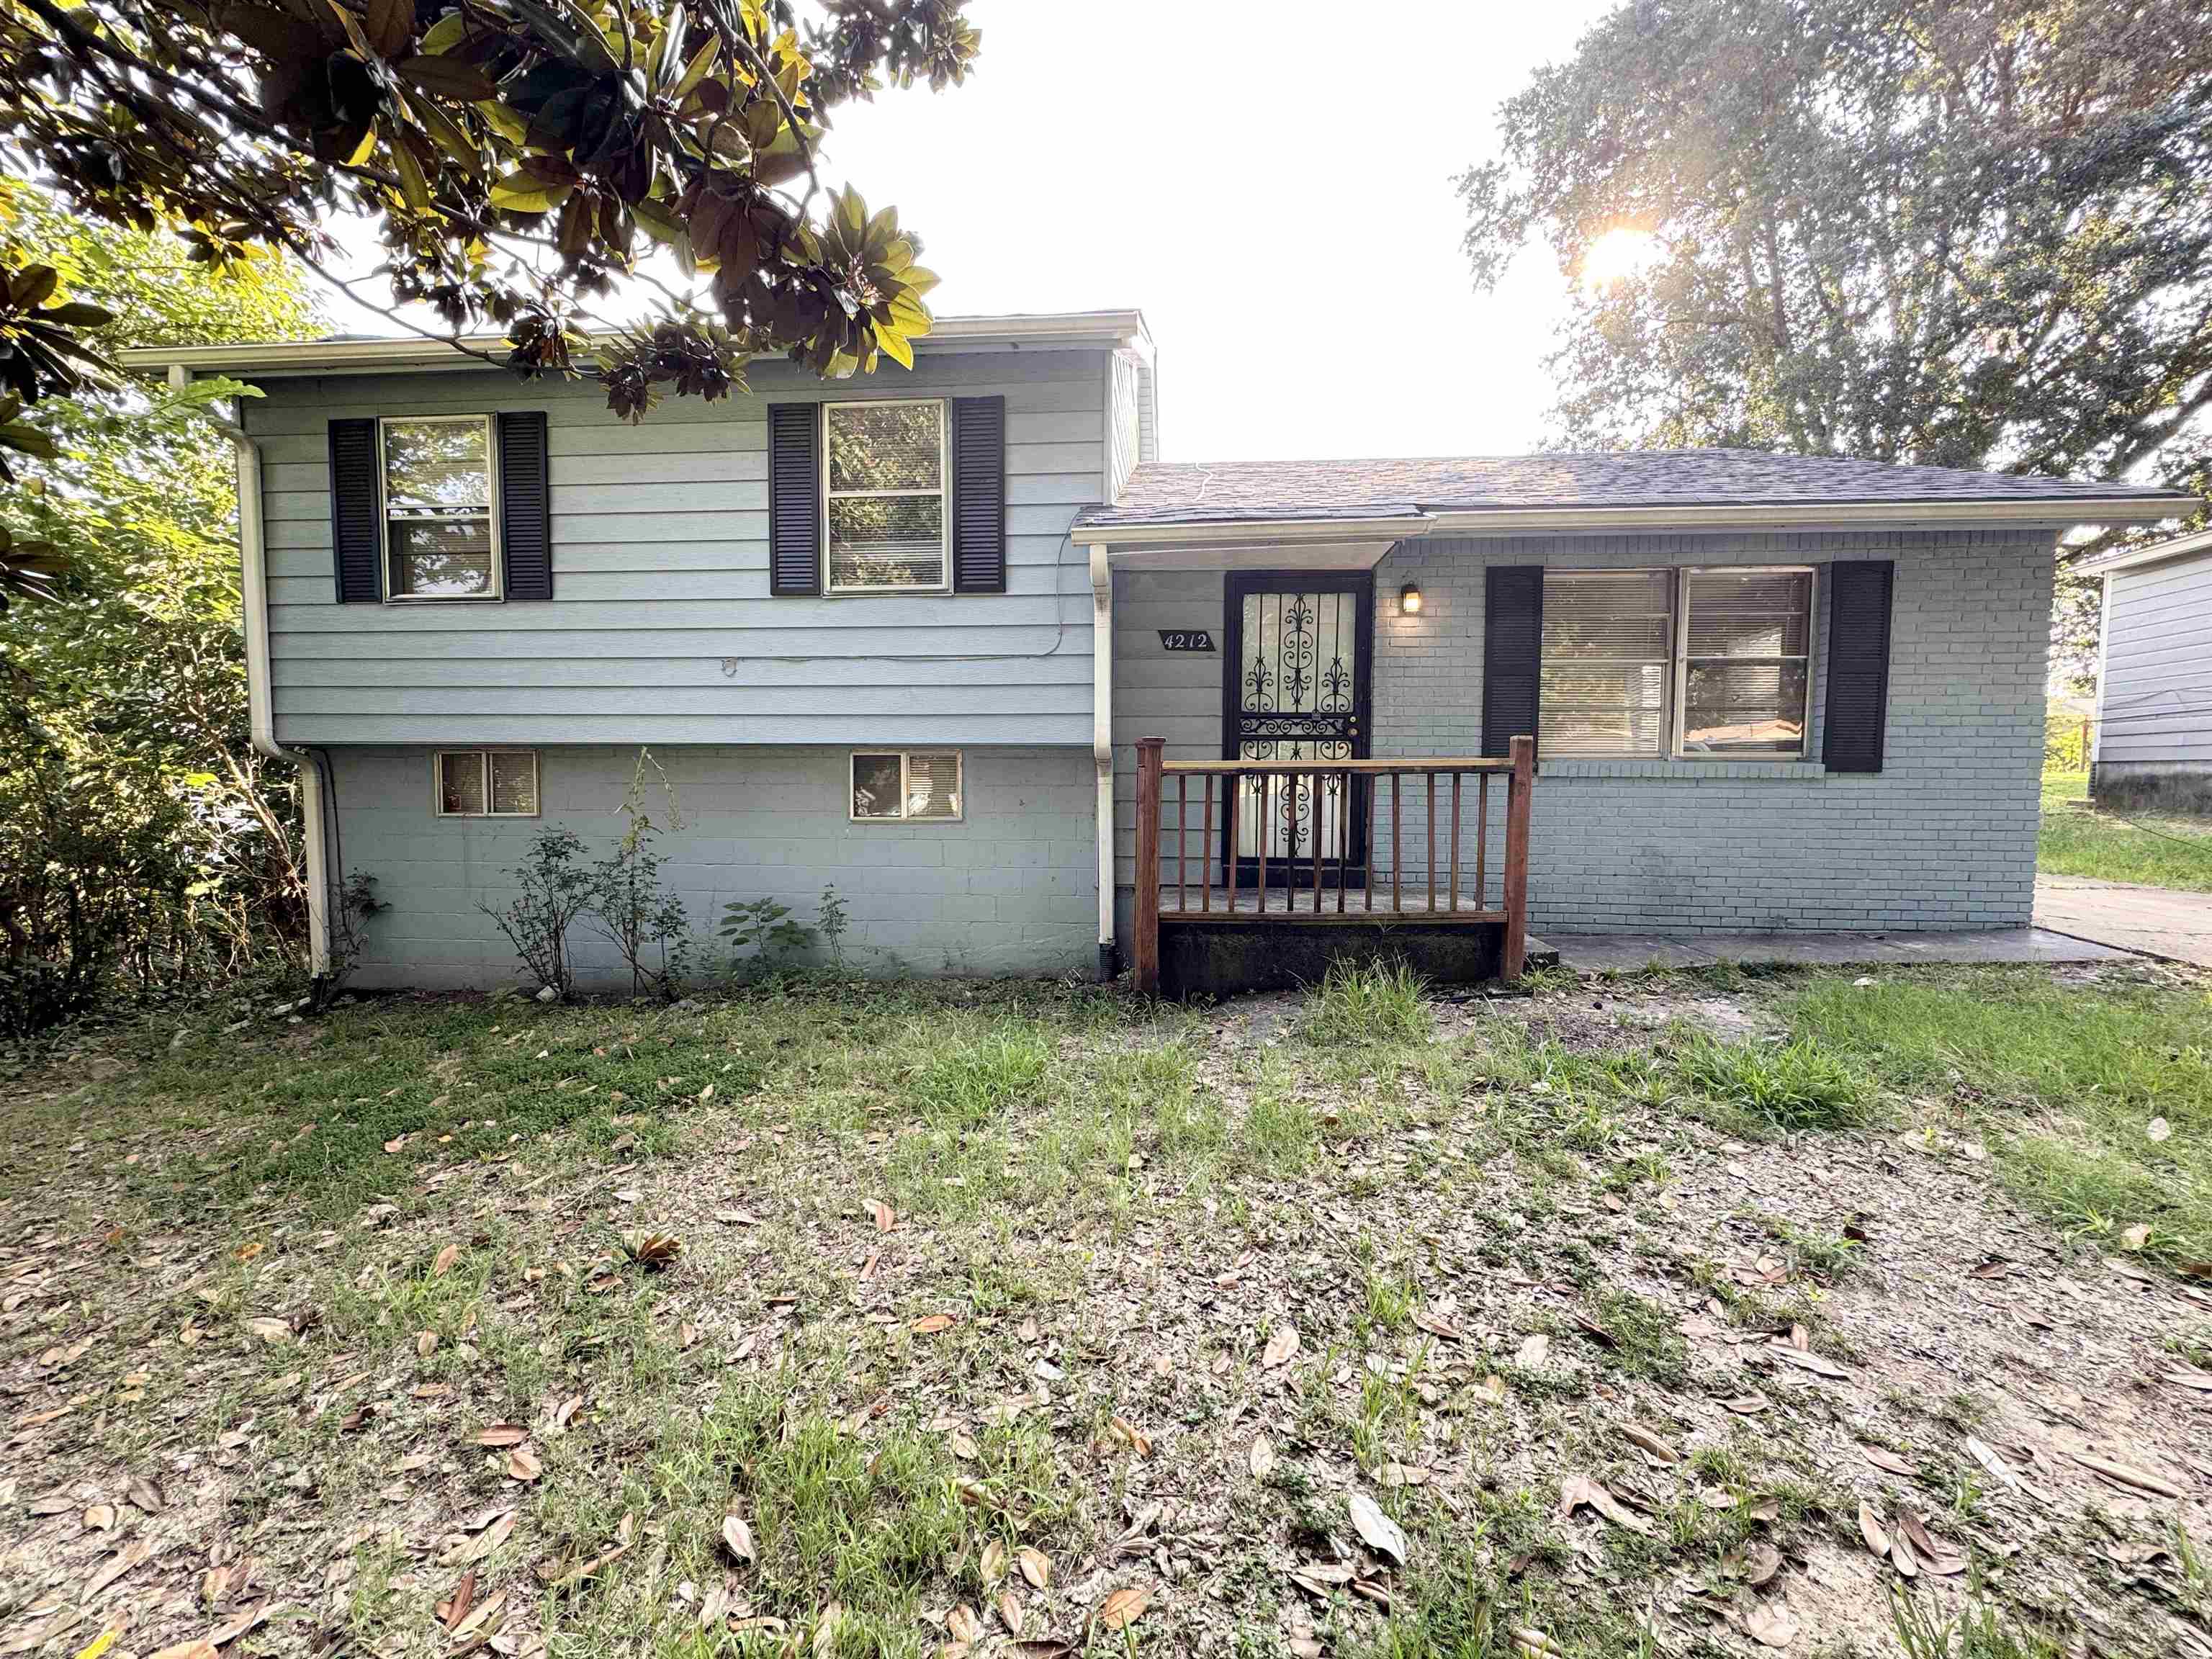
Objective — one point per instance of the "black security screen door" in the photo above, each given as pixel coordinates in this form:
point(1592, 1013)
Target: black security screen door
point(1296, 688)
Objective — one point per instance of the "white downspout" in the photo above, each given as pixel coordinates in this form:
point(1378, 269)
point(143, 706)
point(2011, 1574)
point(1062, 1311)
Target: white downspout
point(1101, 743)
point(260, 718)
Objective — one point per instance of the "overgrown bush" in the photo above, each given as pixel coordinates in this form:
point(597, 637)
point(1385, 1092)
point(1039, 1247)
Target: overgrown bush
point(646, 924)
point(553, 886)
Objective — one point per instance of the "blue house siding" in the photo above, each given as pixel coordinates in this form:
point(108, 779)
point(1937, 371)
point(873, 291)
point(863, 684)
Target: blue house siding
point(1943, 837)
point(1012, 888)
point(661, 629)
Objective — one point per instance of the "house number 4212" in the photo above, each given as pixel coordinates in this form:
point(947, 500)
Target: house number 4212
point(1186, 639)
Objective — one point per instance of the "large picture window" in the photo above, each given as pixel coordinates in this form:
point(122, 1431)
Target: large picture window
point(1693, 662)
point(884, 496)
point(440, 536)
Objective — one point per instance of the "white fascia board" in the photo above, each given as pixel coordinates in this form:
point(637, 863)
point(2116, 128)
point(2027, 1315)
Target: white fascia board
point(1260, 555)
point(1132, 537)
point(1813, 515)
point(2135, 558)
point(1071, 331)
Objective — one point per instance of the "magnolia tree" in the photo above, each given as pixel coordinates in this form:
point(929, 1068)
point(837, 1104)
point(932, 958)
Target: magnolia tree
point(522, 156)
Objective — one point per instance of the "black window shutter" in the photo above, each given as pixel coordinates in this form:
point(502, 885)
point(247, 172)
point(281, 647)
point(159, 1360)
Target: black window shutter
point(357, 503)
point(979, 494)
point(525, 505)
point(795, 498)
point(1858, 704)
point(1512, 653)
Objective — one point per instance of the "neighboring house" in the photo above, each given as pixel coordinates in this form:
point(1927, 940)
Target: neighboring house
point(899, 635)
point(2153, 725)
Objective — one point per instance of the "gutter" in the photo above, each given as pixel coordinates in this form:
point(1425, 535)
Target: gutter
point(1102, 745)
point(2181, 547)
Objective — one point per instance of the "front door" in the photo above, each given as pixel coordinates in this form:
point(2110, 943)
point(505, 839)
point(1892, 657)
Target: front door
point(1296, 674)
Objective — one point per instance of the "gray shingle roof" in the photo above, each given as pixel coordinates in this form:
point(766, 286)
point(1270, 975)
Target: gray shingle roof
point(1167, 493)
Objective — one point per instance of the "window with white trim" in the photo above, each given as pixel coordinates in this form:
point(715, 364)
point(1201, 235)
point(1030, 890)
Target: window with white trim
point(1696, 662)
point(487, 783)
point(441, 534)
point(916, 785)
point(885, 473)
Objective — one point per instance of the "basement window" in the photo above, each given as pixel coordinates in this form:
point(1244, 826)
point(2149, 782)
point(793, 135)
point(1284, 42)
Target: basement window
point(487, 783)
point(906, 785)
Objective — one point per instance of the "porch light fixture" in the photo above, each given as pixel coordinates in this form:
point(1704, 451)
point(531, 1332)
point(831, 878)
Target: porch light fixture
point(1409, 600)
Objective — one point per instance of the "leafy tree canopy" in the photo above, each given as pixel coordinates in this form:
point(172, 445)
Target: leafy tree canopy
point(1962, 233)
point(524, 156)
point(135, 822)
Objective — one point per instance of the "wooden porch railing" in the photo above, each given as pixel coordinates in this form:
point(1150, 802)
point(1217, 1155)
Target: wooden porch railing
point(1315, 881)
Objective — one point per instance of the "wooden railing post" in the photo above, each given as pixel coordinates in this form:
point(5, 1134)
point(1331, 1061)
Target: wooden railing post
point(1516, 894)
point(1145, 949)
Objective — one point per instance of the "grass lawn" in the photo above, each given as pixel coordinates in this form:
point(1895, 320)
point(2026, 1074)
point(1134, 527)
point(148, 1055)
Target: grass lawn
point(1615, 1319)
point(2157, 850)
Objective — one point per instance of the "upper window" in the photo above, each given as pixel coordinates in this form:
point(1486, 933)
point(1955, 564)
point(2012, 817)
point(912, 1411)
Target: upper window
point(884, 496)
point(439, 541)
point(487, 783)
point(898, 784)
point(1699, 662)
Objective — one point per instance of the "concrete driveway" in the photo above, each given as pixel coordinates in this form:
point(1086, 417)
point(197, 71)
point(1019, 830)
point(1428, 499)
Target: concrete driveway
point(2157, 920)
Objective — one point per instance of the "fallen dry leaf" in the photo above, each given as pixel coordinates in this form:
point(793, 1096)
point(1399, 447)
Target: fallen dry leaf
point(522, 1464)
point(1280, 1347)
point(993, 1562)
point(737, 1537)
point(2135, 1237)
point(961, 1625)
point(443, 1263)
point(886, 1218)
point(1882, 1458)
point(1126, 1430)
point(1871, 1530)
point(503, 1434)
point(123, 1561)
point(1123, 1608)
point(1009, 1611)
point(1035, 1565)
point(1375, 1529)
point(1648, 1440)
point(1578, 1490)
point(930, 1324)
point(2126, 1474)
point(455, 1607)
point(1261, 1457)
point(1769, 1625)
point(99, 1517)
point(1760, 1563)
point(1533, 1351)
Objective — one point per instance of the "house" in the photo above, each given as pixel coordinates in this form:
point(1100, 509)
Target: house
point(901, 635)
point(2154, 720)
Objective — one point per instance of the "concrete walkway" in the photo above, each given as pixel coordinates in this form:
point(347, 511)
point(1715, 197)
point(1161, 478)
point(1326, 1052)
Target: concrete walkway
point(1619, 953)
point(2157, 921)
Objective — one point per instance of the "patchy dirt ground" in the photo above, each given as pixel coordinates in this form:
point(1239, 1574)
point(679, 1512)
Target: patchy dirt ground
point(1017, 1327)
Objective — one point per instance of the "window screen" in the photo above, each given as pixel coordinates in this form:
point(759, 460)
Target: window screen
point(488, 783)
point(886, 499)
point(1609, 641)
point(1748, 635)
point(898, 784)
point(438, 509)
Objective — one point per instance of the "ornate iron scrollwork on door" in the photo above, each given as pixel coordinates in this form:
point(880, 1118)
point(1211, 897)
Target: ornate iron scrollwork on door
point(1297, 700)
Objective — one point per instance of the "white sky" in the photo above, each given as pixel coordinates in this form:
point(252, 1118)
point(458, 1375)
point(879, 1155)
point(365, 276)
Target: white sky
point(1268, 180)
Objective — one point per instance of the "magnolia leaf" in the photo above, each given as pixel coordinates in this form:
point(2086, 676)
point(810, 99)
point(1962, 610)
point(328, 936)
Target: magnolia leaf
point(1375, 1529)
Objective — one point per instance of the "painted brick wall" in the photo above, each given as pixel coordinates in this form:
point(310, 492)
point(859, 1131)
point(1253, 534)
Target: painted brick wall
point(1944, 837)
point(1012, 888)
